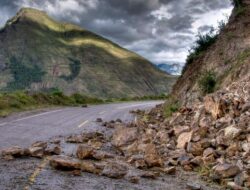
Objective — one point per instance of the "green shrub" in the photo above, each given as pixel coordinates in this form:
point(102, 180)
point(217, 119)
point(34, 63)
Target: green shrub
point(202, 43)
point(24, 74)
point(207, 82)
point(170, 106)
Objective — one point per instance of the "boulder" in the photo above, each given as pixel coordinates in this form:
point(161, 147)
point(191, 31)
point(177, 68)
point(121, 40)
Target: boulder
point(37, 152)
point(101, 155)
point(14, 151)
point(215, 106)
point(115, 170)
point(65, 163)
point(40, 144)
point(152, 156)
point(226, 170)
point(53, 150)
point(183, 139)
point(84, 152)
point(231, 132)
point(75, 139)
point(124, 136)
point(90, 167)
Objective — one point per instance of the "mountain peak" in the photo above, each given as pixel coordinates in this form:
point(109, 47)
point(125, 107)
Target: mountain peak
point(41, 18)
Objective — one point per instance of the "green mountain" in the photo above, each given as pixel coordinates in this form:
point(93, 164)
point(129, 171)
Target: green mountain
point(39, 53)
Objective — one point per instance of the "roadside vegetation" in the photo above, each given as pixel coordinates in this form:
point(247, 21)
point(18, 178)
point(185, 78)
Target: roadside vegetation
point(171, 106)
point(207, 82)
point(23, 100)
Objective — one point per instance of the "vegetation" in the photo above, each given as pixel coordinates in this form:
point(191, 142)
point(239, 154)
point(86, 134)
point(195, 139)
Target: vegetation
point(207, 82)
point(170, 106)
point(24, 100)
point(202, 43)
point(237, 3)
point(24, 74)
point(19, 101)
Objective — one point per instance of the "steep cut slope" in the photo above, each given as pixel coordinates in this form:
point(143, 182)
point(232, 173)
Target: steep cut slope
point(228, 57)
point(38, 53)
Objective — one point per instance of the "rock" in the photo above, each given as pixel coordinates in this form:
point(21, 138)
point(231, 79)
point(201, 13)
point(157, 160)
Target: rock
point(197, 161)
point(14, 151)
point(99, 120)
point(194, 148)
point(231, 132)
point(215, 106)
point(124, 136)
point(180, 129)
point(37, 152)
point(118, 121)
point(84, 152)
point(209, 151)
point(115, 170)
point(65, 163)
point(233, 186)
point(101, 155)
point(152, 156)
point(40, 144)
point(226, 170)
point(76, 173)
point(183, 139)
point(134, 179)
point(90, 167)
point(84, 106)
point(193, 186)
point(75, 139)
point(246, 107)
point(170, 170)
point(149, 174)
point(53, 150)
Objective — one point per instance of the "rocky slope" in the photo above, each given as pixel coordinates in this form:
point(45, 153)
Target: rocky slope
point(39, 53)
point(228, 57)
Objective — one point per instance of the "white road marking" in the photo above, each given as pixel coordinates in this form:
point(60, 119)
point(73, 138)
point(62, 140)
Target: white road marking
point(102, 112)
point(84, 123)
point(2, 124)
point(32, 116)
point(135, 105)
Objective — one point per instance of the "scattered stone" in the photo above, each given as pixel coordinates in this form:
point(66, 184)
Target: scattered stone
point(99, 120)
point(183, 139)
point(84, 152)
point(65, 163)
point(37, 152)
point(90, 167)
point(193, 186)
point(14, 152)
point(149, 174)
point(226, 170)
point(115, 170)
point(124, 136)
point(231, 132)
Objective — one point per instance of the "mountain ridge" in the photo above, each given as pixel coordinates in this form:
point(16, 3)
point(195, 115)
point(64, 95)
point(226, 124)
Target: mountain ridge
point(72, 59)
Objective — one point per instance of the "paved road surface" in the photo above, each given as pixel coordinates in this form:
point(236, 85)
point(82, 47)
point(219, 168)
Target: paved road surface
point(28, 129)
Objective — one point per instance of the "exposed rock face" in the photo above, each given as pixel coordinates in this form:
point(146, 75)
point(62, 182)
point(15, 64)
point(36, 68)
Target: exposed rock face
point(230, 63)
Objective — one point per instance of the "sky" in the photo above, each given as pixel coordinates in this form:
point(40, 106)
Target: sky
point(162, 31)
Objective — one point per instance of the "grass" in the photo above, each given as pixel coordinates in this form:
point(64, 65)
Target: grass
point(23, 100)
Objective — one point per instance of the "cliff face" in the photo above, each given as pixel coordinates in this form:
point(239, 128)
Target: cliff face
point(228, 57)
point(39, 53)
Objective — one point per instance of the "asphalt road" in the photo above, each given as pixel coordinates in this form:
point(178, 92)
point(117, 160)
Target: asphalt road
point(25, 130)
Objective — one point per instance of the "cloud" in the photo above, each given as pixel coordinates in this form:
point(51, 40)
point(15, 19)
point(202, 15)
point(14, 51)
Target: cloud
point(161, 30)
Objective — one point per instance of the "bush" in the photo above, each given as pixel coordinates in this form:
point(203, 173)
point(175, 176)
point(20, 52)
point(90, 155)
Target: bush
point(207, 82)
point(237, 3)
point(202, 43)
point(170, 106)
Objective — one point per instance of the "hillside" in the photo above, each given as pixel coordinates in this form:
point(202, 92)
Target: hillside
point(228, 58)
point(39, 53)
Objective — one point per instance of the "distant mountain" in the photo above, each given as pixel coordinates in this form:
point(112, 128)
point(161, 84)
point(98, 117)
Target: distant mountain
point(39, 53)
point(174, 69)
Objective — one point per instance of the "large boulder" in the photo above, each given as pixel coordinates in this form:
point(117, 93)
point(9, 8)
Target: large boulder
point(65, 163)
point(183, 139)
point(124, 136)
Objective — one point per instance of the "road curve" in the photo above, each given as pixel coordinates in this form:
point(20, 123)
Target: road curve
point(25, 130)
